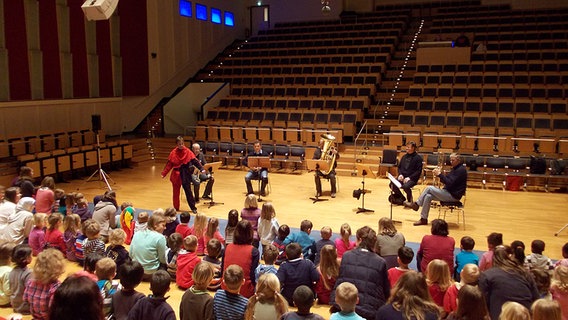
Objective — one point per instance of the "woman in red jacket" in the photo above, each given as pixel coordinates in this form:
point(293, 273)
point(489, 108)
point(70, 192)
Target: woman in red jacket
point(179, 160)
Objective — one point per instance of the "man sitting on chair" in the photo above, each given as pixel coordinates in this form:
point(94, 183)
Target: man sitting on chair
point(199, 177)
point(256, 172)
point(455, 183)
point(330, 175)
point(409, 171)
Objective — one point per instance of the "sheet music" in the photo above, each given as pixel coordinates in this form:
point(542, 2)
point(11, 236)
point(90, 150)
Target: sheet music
point(394, 180)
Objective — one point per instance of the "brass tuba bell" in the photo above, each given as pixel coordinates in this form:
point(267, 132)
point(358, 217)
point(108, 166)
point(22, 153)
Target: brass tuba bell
point(327, 151)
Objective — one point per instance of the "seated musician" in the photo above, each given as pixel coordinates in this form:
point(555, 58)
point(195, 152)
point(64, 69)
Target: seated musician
point(198, 177)
point(256, 173)
point(409, 171)
point(318, 154)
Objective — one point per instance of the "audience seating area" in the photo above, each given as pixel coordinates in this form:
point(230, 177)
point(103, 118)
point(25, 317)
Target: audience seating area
point(231, 144)
point(65, 152)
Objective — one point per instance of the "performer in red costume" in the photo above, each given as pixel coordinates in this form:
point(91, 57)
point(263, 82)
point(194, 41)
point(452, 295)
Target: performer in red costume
point(180, 159)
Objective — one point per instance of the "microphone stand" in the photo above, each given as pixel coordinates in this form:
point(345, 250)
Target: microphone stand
point(362, 208)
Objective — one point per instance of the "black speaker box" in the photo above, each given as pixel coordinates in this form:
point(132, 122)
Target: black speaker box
point(96, 122)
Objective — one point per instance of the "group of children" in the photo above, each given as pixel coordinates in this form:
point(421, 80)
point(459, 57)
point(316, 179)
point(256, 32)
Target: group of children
point(296, 270)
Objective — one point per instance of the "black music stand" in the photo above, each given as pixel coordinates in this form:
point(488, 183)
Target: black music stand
point(364, 170)
point(211, 167)
point(317, 165)
point(398, 185)
point(259, 162)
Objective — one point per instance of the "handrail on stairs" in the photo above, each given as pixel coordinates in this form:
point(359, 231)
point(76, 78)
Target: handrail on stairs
point(356, 140)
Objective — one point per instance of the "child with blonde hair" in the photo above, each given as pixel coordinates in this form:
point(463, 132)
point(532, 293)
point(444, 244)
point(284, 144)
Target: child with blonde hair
point(142, 223)
point(49, 265)
point(93, 243)
point(116, 250)
point(514, 311)
point(196, 303)
point(545, 309)
point(232, 220)
point(559, 288)
point(251, 213)
point(325, 234)
point(212, 232)
point(469, 275)
point(105, 269)
point(347, 297)
point(267, 225)
point(72, 231)
point(328, 269)
point(81, 208)
point(53, 236)
point(438, 279)
point(343, 244)
point(267, 302)
point(36, 239)
point(199, 227)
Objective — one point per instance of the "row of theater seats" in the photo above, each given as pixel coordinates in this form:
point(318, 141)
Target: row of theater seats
point(491, 77)
point(235, 152)
point(344, 123)
point(491, 142)
point(528, 123)
point(270, 135)
point(337, 25)
point(496, 66)
point(300, 69)
point(499, 90)
point(486, 104)
point(294, 80)
point(364, 30)
point(76, 159)
point(494, 169)
point(304, 60)
point(501, 18)
point(322, 43)
point(330, 91)
point(539, 56)
point(46, 142)
point(330, 103)
point(310, 51)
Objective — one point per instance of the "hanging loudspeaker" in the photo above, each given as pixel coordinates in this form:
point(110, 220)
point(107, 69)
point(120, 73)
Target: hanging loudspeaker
point(99, 9)
point(96, 122)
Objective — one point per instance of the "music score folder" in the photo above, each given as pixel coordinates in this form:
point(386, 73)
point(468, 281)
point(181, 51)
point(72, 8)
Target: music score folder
point(394, 180)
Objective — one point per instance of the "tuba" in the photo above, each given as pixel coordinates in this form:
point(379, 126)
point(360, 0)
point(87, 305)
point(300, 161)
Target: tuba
point(326, 152)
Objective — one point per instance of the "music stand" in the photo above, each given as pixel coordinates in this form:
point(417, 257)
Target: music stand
point(259, 162)
point(398, 185)
point(364, 170)
point(212, 167)
point(317, 165)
